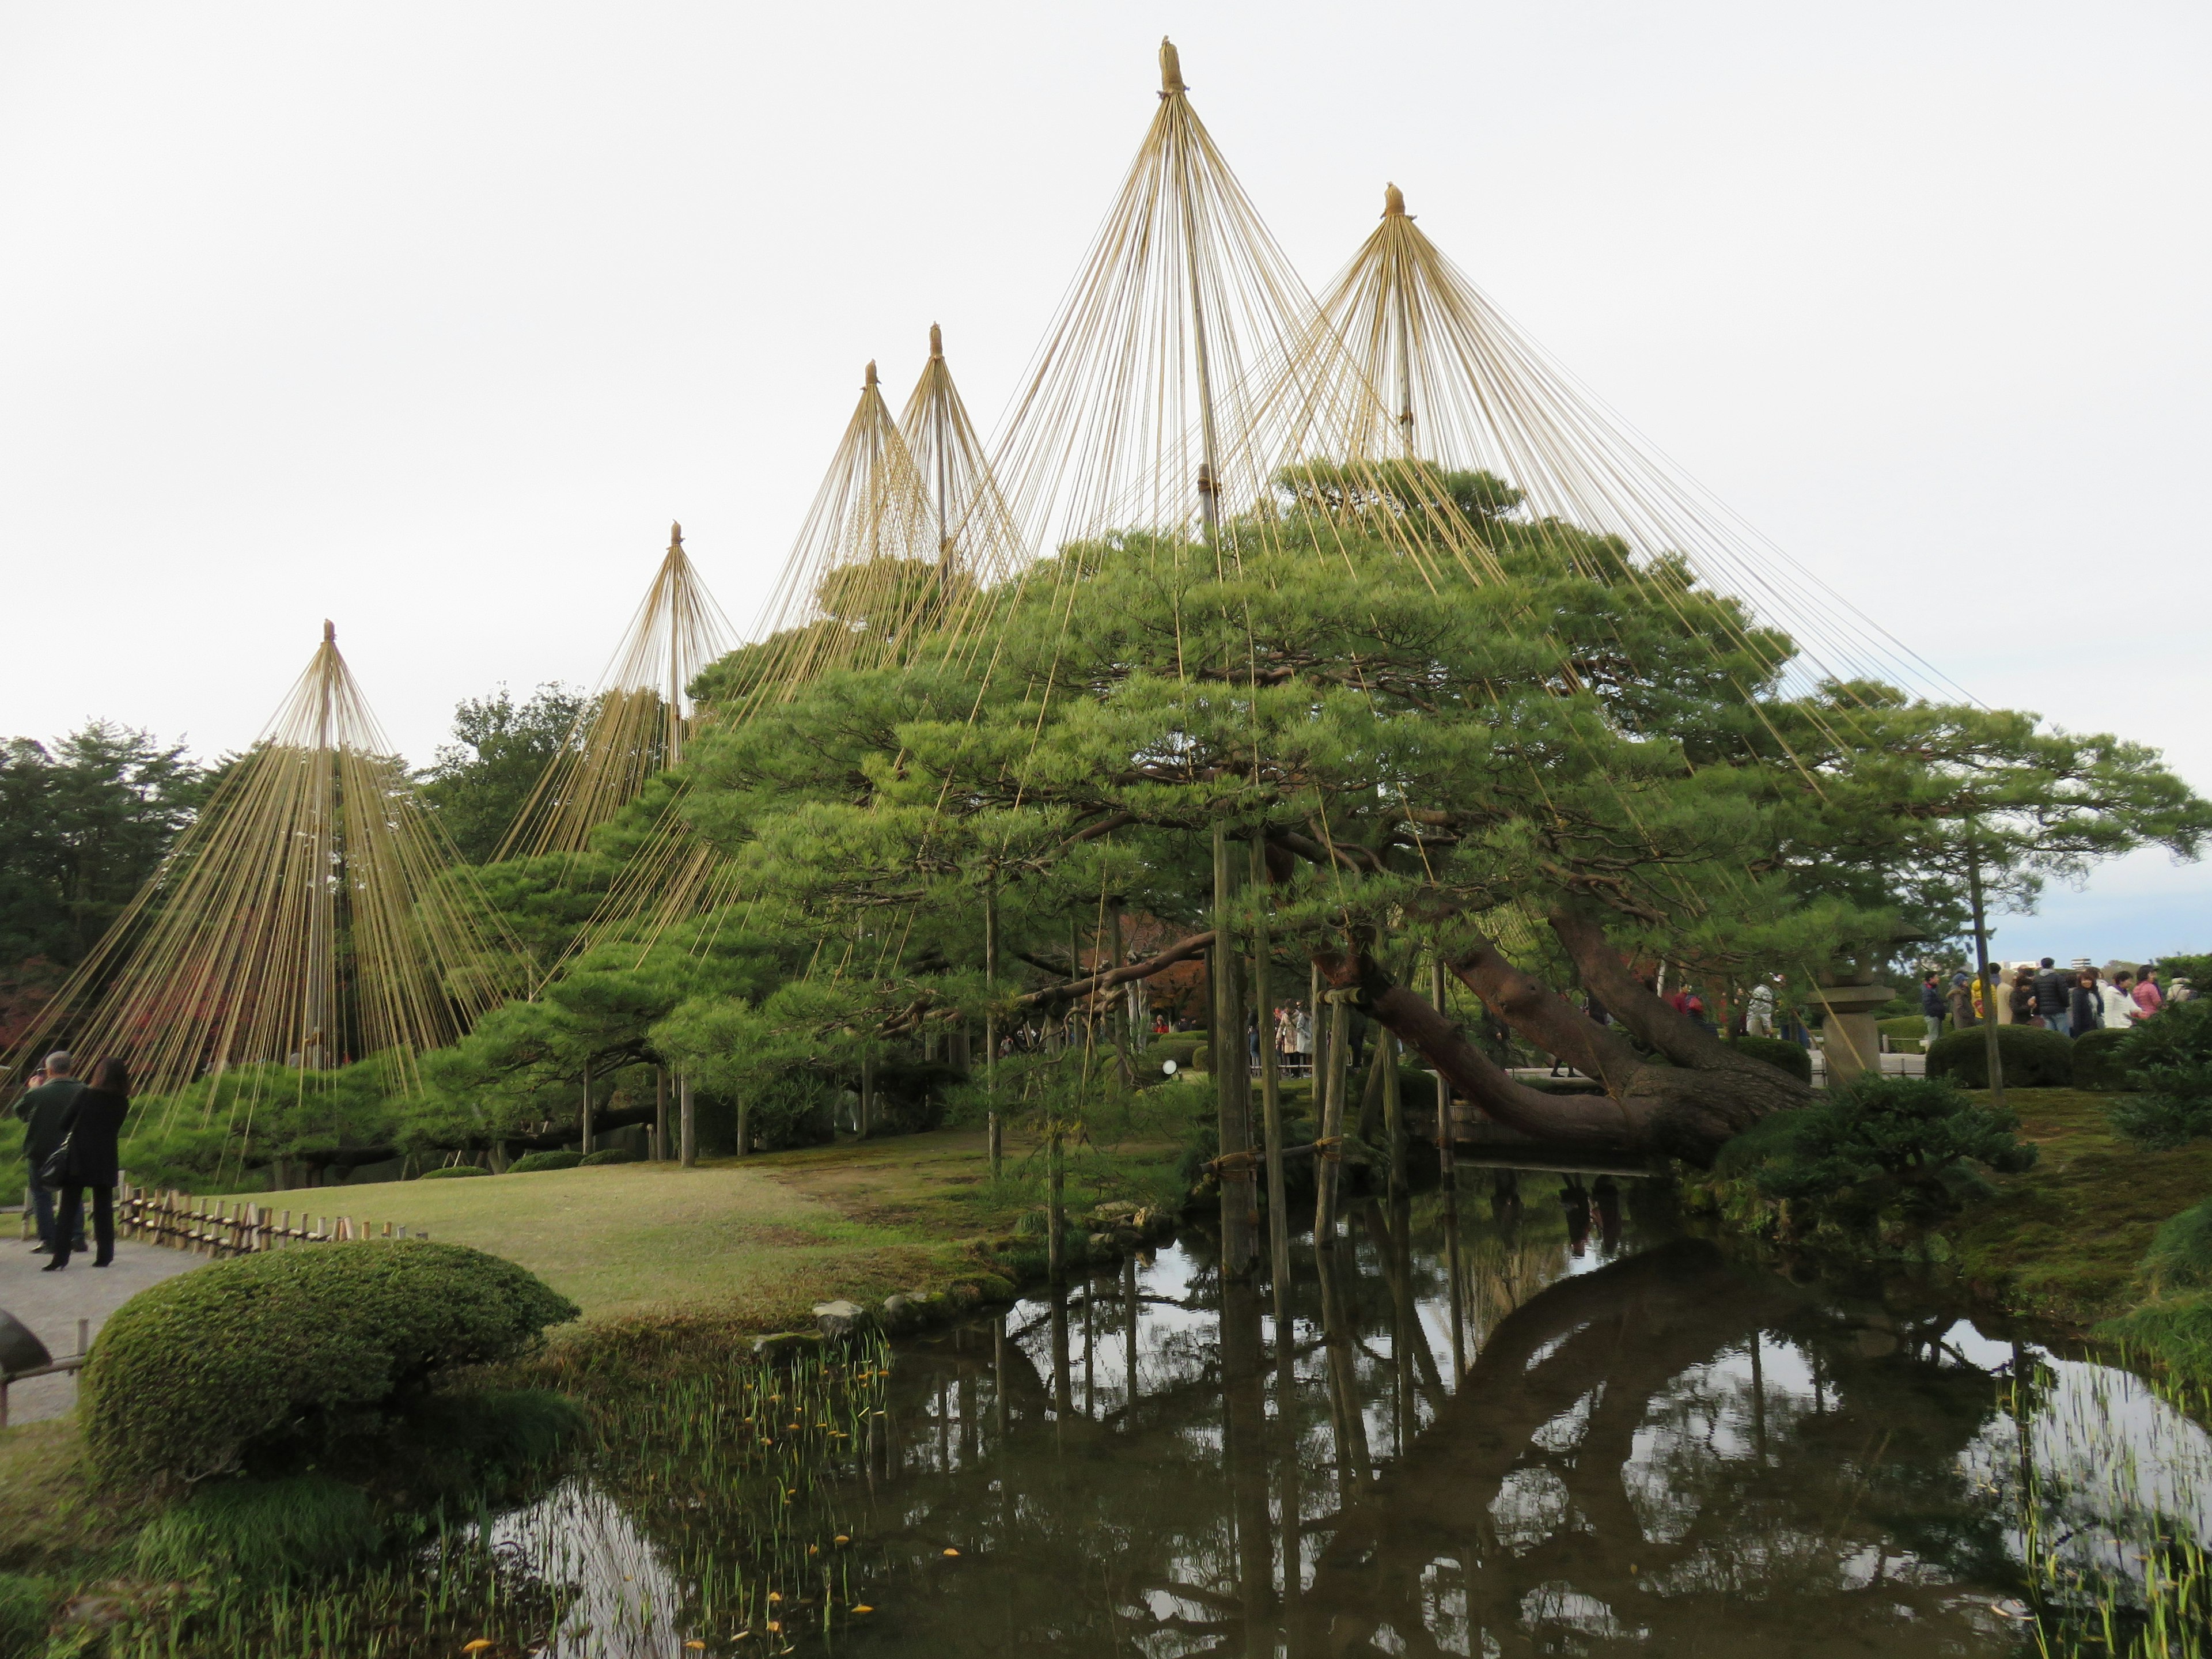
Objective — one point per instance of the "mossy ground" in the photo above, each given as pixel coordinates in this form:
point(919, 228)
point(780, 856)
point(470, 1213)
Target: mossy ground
point(756, 1242)
point(2067, 1238)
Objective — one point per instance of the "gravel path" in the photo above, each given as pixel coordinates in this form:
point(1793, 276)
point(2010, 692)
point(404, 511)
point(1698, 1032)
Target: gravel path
point(52, 1303)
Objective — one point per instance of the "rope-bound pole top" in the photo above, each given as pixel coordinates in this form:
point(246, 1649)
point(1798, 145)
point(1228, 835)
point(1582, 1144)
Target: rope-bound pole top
point(329, 632)
point(1170, 70)
point(675, 536)
point(1393, 201)
point(872, 372)
point(936, 342)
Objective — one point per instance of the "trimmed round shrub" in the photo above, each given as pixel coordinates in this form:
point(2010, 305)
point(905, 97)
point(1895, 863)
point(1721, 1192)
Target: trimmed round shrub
point(262, 1531)
point(263, 1353)
point(610, 1155)
point(451, 1172)
point(2032, 1057)
point(532, 1163)
point(2097, 1061)
point(1777, 1051)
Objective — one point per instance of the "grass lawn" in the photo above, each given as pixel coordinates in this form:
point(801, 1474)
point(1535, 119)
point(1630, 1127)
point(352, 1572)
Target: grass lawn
point(2065, 1238)
point(756, 1242)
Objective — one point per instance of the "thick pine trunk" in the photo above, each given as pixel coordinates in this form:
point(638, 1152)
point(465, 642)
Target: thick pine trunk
point(1688, 1103)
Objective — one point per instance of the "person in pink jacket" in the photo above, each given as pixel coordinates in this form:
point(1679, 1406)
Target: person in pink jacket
point(2148, 996)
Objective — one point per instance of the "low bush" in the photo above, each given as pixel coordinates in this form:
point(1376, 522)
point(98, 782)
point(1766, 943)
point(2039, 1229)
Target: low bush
point(532, 1163)
point(1880, 1143)
point(453, 1171)
point(2097, 1061)
point(2180, 1255)
point(262, 1531)
point(254, 1361)
point(2033, 1058)
point(2175, 1334)
point(607, 1155)
point(2169, 1058)
point(23, 1604)
point(1777, 1051)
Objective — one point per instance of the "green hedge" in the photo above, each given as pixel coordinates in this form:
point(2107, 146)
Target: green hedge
point(532, 1163)
point(2097, 1062)
point(1777, 1051)
point(451, 1172)
point(2032, 1057)
point(296, 1346)
point(610, 1155)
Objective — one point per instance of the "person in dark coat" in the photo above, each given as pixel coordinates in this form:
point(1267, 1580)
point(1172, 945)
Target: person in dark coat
point(94, 1123)
point(43, 1109)
point(2085, 1005)
point(2054, 999)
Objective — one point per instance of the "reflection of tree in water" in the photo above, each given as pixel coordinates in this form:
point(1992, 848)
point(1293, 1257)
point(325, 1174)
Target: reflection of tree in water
point(1665, 1451)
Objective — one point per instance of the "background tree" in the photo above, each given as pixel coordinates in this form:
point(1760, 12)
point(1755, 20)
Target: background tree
point(83, 825)
point(479, 783)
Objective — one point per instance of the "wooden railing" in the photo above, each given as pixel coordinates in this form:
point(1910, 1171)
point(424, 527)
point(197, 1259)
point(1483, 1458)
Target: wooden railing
point(210, 1226)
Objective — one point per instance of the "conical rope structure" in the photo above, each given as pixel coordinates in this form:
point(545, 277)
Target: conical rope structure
point(313, 914)
point(1461, 387)
point(863, 577)
point(903, 540)
point(1185, 370)
point(978, 543)
point(634, 726)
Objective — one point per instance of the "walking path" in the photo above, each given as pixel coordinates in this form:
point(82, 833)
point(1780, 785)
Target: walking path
point(52, 1303)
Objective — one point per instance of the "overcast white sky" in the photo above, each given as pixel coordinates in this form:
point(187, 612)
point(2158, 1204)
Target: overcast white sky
point(429, 318)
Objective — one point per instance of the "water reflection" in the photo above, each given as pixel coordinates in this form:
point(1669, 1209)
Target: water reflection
point(1522, 1418)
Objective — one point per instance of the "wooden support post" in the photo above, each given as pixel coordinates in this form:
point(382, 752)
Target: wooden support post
point(1447, 1139)
point(1271, 1094)
point(687, 1124)
point(1332, 1121)
point(660, 1116)
point(1232, 1074)
point(586, 1123)
point(1394, 1115)
point(996, 1138)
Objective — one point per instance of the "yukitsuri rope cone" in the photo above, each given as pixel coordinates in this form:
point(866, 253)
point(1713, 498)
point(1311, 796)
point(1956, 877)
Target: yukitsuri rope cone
point(313, 914)
point(635, 725)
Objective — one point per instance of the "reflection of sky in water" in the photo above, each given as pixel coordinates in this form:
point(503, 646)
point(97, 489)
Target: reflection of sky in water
point(628, 1605)
point(1701, 1466)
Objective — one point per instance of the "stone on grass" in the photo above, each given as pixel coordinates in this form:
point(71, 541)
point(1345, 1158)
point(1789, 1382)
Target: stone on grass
point(840, 1320)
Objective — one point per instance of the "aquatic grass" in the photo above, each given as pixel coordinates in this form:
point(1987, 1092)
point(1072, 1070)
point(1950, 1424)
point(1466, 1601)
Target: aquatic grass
point(2106, 1470)
point(745, 1477)
point(454, 1590)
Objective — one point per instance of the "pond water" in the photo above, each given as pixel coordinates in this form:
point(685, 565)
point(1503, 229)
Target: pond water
point(1527, 1417)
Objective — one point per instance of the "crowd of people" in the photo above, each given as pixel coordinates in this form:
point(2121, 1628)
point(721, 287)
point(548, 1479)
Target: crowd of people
point(2072, 1001)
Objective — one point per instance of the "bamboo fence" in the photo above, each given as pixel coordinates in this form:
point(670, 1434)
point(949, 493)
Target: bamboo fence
point(223, 1227)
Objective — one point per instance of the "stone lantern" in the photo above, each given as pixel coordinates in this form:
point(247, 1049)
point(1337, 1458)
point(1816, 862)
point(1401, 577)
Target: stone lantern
point(1850, 1038)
